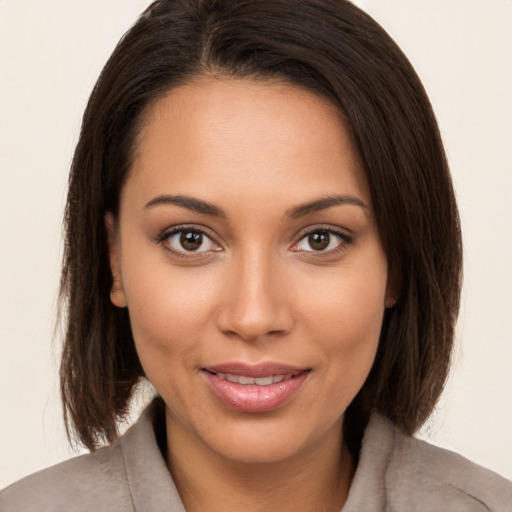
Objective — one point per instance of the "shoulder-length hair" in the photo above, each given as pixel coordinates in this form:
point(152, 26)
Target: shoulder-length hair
point(333, 49)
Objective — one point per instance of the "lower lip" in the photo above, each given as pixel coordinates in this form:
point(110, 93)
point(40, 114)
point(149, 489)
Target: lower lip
point(252, 398)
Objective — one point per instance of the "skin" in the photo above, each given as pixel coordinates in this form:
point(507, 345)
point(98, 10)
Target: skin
point(256, 290)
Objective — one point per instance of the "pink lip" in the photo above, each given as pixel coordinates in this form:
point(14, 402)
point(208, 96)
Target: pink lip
point(253, 398)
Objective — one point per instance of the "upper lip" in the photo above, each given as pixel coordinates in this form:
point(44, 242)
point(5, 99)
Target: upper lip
point(255, 370)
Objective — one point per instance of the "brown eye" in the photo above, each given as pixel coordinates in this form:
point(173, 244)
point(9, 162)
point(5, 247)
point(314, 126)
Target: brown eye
point(319, 240)
point(322, 240)
point(191, 240)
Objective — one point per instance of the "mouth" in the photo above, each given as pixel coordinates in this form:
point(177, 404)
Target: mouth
point(246, 380)
point(255, 389)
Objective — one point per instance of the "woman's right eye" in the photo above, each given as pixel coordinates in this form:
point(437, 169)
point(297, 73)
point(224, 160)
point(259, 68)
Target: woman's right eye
point(189, 241)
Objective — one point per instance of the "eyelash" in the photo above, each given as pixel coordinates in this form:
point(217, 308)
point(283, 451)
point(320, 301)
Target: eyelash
point(345, 240)
point(344, 237)
point(166, 235)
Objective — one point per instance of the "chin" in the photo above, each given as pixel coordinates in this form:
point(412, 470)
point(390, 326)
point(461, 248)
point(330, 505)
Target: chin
point(268, 440)
point(265, 449)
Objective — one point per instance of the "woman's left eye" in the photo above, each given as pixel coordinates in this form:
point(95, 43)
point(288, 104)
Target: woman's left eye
point(189, 241)
point(321, 240)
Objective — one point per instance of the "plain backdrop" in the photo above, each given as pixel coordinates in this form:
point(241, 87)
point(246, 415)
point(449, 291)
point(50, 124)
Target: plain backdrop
point(50, 55)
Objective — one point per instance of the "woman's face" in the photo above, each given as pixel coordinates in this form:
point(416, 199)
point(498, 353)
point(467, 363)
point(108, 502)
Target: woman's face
point(247, 253)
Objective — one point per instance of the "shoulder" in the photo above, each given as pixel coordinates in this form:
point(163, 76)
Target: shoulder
point(126, 476)
point(76, 485)
point(439, 479)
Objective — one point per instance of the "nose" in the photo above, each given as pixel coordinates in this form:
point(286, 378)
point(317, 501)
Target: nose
point(255, 304)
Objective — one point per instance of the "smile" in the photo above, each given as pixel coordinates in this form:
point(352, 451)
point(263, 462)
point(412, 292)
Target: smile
point(255, 389)
point(246, 380)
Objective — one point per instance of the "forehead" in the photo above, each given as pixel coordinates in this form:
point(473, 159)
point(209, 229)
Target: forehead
point(267, 135)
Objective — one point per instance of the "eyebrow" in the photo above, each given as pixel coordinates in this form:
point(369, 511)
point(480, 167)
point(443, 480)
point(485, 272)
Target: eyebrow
point(324, 203)
point(206, 208)
point(191, 203)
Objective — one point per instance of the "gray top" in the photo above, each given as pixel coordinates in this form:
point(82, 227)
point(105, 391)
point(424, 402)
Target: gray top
point(395, 473)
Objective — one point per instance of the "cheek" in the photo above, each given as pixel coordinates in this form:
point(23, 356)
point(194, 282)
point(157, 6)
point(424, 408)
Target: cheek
point(347, 307)
point(168, 308)
point(348, 337)
point(345, 314)
point(169, 317)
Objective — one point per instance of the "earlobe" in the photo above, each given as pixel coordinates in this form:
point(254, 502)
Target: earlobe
point(392, 291)
point(117, 295)
point(390, 301)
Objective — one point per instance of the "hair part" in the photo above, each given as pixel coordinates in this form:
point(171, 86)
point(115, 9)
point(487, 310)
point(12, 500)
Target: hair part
point(333, 49)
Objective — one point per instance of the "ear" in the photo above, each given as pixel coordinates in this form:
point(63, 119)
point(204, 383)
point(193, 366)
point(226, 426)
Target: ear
point(117, 295)
point(391, 301)
point(392, 290)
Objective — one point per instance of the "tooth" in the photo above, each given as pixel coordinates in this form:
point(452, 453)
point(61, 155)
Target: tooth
point(259, 381)
point(264, 381)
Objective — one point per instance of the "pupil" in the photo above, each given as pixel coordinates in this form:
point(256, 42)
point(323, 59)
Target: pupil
point(319, 240)
point(191, 240)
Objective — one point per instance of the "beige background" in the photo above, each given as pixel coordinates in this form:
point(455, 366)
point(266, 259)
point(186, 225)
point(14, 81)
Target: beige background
point(50, 55)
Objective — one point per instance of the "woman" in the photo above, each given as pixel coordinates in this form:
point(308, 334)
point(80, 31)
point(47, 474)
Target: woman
point(261, 222)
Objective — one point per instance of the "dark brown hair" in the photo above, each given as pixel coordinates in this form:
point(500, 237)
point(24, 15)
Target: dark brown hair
point(331, 48)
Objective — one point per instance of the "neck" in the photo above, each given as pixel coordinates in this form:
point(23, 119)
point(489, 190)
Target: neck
point(316, 479)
